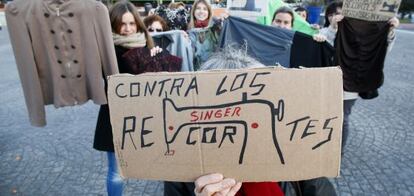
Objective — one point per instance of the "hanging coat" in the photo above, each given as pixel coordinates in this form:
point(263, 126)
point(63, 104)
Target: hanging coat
point(177, 44)
point(361, 49)
point(61, 49)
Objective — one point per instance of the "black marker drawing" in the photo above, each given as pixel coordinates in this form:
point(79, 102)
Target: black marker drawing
point(215, 115)
point(390, 7)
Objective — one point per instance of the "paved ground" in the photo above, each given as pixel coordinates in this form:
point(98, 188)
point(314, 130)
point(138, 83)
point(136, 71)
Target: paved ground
point(407, 26)
point(59, 159)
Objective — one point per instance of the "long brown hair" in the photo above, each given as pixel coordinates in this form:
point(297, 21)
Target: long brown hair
point(193, 8)
point(118, 10)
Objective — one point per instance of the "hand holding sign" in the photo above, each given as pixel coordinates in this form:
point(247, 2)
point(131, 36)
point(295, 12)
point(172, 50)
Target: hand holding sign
point(335, 20)
point(394, 22)
point(216, 184)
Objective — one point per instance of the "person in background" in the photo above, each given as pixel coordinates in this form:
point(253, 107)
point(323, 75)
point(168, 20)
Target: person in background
point(155, 23)
point(201, 15)
point(333, 15)
point(303, 12)
point(128, 32)
point(176, 5)
point(283, 18)
point(204, 31)
point(216, 183)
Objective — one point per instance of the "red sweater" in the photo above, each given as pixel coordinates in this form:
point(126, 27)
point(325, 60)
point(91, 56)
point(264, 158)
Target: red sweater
point(260, 189)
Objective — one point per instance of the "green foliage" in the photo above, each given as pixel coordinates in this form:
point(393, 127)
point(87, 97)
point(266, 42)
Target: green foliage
point(407, 6)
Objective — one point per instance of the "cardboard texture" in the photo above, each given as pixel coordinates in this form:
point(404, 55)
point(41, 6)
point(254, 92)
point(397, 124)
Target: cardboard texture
point(219, 12)
point(371, 10)
point(265, 124)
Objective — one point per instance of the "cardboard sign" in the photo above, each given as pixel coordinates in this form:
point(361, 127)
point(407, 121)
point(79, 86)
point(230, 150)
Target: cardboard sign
point(266, 124)
point(371, 10)
point(247, 8)
point(219, 12)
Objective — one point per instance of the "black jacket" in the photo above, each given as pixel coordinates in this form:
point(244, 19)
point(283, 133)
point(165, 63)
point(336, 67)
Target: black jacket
point(361, 49)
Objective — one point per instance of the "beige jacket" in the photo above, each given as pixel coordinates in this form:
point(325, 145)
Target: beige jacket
point(62, 48)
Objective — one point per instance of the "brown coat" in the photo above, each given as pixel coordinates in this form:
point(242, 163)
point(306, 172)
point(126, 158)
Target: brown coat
point(61, 47)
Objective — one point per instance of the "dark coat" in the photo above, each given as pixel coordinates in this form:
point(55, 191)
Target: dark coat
point(361, 49)
point(134, 61)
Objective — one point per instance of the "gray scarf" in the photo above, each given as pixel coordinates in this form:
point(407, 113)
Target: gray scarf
point(136, 40)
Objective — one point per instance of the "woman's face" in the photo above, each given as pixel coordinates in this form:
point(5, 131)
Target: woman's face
point(302, 14)
point(338, 12)
point(128, 26)
point(201, 12)
point(283, 20)
point(155, 27)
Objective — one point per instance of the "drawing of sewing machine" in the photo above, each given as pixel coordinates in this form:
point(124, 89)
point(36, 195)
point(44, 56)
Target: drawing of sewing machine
point(390, 7)
point(177, 120)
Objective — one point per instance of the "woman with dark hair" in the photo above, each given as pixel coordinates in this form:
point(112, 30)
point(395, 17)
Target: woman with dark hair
point(283, 18)
point(332, 10)
point(303, 12)
point(155, 23)
point(129, 32)
point(333, 15)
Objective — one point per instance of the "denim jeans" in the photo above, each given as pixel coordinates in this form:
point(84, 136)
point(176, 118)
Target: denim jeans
point(348, 104)
point(114, 182)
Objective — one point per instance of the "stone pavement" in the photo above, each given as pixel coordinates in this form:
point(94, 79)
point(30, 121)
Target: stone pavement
point(59, 159)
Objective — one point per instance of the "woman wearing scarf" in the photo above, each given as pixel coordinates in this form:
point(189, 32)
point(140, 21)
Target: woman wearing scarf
point(203, 32)
point(135, 54)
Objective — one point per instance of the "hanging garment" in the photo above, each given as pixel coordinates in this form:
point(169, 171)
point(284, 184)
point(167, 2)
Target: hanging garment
point(361, 49)
point(272, 45)
point(306, 52)
point(260, 188)
point(139, 60)
point(177, 19)
point(178, 45)
point(204, 42)
point(61, 48)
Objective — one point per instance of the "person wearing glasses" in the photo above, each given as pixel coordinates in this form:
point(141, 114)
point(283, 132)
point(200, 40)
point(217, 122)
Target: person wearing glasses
point(155, 24)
